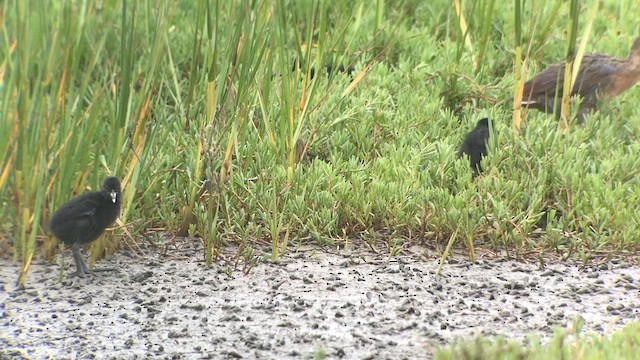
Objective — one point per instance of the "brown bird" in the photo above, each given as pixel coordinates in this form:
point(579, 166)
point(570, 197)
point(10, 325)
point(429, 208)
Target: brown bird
point(600, 77)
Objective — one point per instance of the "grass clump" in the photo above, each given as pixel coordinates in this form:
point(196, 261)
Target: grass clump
point(565, 344)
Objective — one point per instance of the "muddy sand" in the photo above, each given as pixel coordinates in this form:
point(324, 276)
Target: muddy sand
point(351, 304)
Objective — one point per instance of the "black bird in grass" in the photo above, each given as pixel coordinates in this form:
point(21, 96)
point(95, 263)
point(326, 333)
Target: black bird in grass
point(84, 218)
point(475, 145)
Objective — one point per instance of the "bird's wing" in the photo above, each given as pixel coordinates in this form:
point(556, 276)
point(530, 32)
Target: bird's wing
point(594, 75)
point(544, 82)
point(79, 208)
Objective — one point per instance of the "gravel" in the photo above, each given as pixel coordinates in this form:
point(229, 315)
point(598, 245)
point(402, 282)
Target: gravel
point(351, 305)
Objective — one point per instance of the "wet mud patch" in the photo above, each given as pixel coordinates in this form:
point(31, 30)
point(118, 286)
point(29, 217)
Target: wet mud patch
point(350, 305)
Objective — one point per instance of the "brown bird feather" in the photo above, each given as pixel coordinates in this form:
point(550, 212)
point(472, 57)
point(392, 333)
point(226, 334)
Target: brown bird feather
point(600, 77)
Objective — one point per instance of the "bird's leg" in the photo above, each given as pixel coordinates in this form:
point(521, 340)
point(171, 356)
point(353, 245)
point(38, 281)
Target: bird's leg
point(580, 117)
point(85, 268)
point(585, 109)
point(77, 257)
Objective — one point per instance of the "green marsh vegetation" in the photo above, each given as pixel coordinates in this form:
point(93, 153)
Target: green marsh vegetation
point(207, 112)
point(566, 344)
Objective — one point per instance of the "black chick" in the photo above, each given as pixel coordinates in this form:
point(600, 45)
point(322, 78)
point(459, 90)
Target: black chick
point(475, 145)
point(84, 218)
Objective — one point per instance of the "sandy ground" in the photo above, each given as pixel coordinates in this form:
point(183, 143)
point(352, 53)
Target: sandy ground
point(350, 304)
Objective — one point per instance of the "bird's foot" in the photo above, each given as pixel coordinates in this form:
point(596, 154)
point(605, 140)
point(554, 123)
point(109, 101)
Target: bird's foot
point(81, 273)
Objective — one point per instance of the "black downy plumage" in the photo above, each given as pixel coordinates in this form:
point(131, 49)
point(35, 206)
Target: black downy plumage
point(84, 218)
point(475, 145)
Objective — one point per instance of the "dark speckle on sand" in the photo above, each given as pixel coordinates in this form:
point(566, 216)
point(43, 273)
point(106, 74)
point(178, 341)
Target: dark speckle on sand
point(306, 303)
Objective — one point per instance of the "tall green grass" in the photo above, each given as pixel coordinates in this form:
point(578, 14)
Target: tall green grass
point(70, 114)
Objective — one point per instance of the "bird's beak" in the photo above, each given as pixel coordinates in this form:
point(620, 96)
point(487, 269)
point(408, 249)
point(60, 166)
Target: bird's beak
point(114, 196)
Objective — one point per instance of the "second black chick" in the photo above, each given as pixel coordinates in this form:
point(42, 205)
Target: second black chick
point(475, 145)
point(84, 218)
